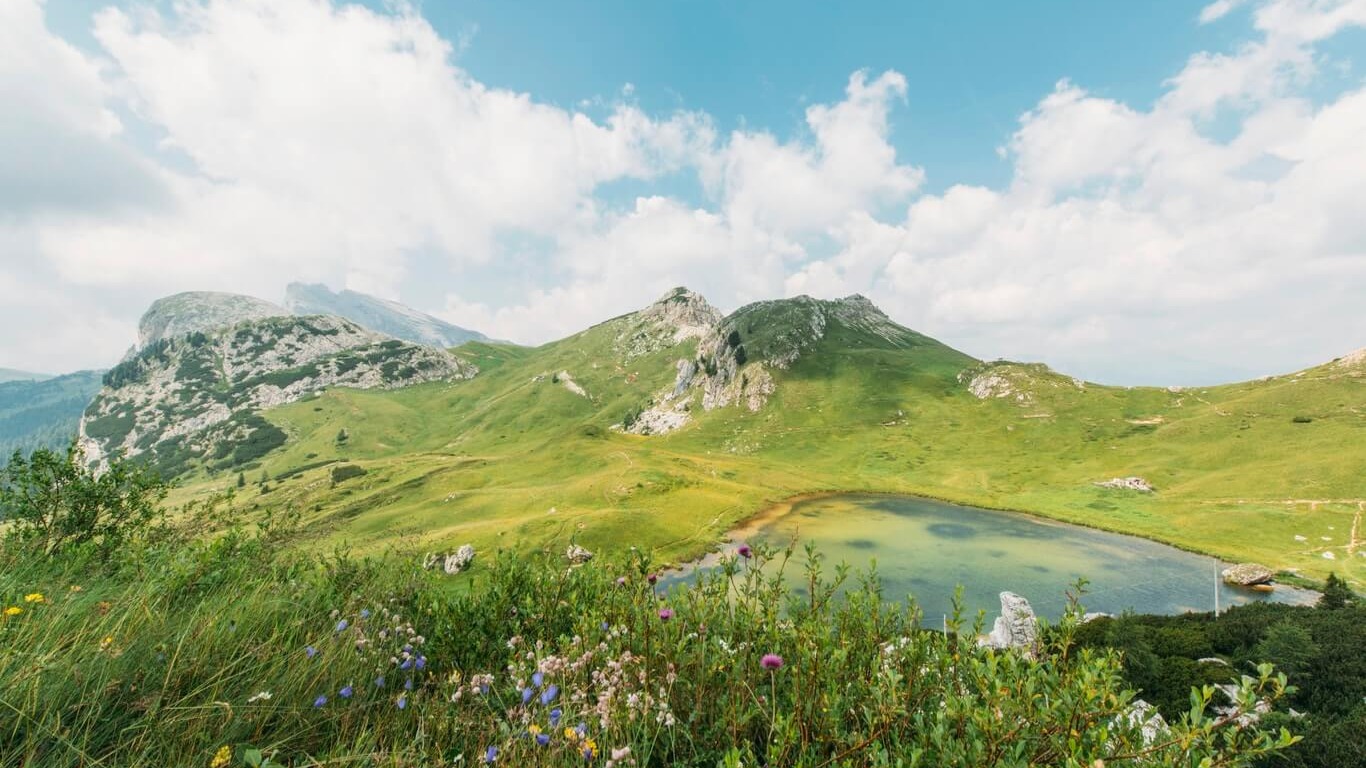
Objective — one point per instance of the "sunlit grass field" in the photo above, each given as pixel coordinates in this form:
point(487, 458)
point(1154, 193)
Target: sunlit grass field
point(1272, 471)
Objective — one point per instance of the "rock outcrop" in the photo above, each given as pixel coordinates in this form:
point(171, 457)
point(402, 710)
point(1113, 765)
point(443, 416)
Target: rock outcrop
point(376, 314)
point(1133, 483)
point(1247, 574)
point(1016, 627)
point(199, 311)
point(196, 397)
point(451, 563)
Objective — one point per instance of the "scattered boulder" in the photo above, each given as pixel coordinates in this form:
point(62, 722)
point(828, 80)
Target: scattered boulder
point(451, 563)
point(577, 554)
point(1016, 627)
point(1146, 716)
point(1247, 574)
point(1134, 483)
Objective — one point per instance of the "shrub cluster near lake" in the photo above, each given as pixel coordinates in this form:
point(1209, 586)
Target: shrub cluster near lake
point(212, 642)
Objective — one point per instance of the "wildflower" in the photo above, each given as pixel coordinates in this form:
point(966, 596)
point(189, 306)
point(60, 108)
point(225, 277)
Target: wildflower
point(365, 613)
point(621, 754)
point(407, 664)
point(379, 681)
point(744, 551)
point(542, 739)
point(402, 702)
point(606, 626)
point(13, 610)
point(321, 700)
point(77, 588)
point(346, 692)
point(621, 581)
point(571, 734)
point(581, 729)
point(652, 578)
point(490, 754)
point(590, 749)
point(549, 694)
point(771, 661)
point(222, 757)
point(538, 679)
point(342, 625)
point(421, 662)
point(310, 651)
point(527, 693)
point(533, 729)
point(259, 696)
point(106, 642)
point(555, 715)
point(666, 613)
point(35, 597)
point(408, 684)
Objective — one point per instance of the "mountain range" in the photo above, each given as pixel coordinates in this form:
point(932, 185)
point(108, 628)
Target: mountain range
point(664, 427)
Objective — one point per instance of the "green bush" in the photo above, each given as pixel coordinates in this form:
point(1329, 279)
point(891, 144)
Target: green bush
point(344, 472)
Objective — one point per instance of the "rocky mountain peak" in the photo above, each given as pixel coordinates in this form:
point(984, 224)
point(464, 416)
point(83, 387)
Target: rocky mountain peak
point(376, 314)
point(198, 312)
point(678, 315)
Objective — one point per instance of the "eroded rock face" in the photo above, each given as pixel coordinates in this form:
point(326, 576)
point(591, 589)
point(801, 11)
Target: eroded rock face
point(184, 313)
point(195, 396)
point(1016, 627)
point(677, 316)
point(1247, 574)
point(1133, 483)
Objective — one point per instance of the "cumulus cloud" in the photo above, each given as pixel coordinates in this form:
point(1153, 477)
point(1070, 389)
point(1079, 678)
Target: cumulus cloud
point(239, 145)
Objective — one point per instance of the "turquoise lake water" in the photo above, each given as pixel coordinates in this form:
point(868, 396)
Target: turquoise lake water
point(926, 548)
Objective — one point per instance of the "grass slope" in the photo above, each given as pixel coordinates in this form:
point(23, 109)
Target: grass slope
point(514, 458)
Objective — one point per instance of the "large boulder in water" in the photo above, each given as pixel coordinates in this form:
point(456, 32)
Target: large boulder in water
point(1016, 627)
point(1247, 574)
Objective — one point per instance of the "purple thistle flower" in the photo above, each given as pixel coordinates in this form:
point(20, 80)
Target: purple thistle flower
point(744, 551)
point(543, 739)
point(527, 693)
point(321, 700)
point(402, 702)
point(652, 578)
point(346, 692)
point(555, 715)
point(549, 694)
point(310, 651)
point(342, 625)
point(538, 679)
point(666, 613)
point(771, 661)
point(621, 581)
point(490, 754)
point(379, 681)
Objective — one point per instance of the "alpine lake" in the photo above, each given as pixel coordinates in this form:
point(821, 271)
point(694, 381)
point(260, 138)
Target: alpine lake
point(927, 549)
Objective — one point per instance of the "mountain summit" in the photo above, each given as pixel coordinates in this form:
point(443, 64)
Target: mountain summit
point(380, 315)
point(199, 311)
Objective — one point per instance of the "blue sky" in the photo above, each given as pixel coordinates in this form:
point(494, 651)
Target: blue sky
point(1131, 192)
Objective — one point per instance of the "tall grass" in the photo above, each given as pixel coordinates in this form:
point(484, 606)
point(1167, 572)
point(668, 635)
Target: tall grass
point(225, 649)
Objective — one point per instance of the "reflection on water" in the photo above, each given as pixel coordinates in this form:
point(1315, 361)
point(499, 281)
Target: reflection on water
point(926, 548)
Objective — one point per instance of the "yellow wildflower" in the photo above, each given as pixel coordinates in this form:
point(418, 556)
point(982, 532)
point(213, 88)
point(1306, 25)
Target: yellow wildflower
point(571, 734)
point(534, 729)
point(35, 597)
point(77, 588)
point(590, 748)
point(13, 610)
point(222, 757)
point(106, 642)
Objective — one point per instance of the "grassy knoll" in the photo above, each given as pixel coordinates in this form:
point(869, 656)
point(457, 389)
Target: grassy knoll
point(514, 458)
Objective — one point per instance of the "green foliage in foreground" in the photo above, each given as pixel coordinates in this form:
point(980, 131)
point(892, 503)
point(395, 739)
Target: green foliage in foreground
point(1320, 650)
point(189, 649)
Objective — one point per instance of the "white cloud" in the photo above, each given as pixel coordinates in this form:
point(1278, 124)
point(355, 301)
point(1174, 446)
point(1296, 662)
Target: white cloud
point(303, 139)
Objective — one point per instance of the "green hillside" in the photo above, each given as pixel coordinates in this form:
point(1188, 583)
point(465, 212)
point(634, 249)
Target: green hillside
point(43, 413)
point(517, 458)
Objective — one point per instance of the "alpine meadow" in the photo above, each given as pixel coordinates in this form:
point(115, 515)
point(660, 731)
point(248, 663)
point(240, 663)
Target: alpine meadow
point(754, 385)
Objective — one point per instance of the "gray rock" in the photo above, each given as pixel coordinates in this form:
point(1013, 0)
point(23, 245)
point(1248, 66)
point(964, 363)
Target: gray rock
point(1146, 716)
point(458, 560)
point(1132, 483)
point(1247, 574)
point(1016, 627)
point(578, 554)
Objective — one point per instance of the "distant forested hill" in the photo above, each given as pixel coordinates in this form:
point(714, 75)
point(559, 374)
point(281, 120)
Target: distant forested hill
point(36, 414)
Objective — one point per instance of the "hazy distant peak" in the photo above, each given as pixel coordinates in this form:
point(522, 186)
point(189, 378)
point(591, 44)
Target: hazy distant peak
point(376, 314)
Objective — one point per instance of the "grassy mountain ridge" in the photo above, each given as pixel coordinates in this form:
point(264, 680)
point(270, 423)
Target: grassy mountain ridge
point(529, 453)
